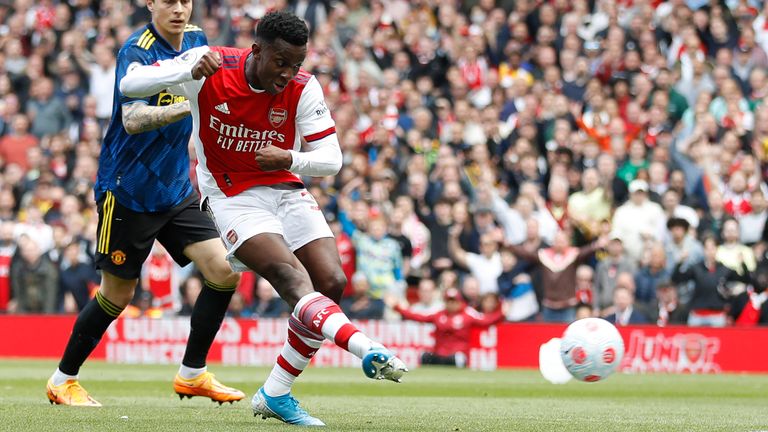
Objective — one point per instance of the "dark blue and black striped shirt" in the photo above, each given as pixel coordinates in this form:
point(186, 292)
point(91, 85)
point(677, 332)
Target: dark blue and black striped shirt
point(149, 171)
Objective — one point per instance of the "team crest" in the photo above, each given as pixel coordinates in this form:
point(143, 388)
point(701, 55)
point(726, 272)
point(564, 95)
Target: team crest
point(232, 236)
point(118, 257)
point(277, 116)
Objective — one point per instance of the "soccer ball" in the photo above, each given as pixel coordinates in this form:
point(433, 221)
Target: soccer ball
point(591, 349)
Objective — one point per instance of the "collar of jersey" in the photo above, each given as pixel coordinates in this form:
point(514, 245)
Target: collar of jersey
point(245, 78)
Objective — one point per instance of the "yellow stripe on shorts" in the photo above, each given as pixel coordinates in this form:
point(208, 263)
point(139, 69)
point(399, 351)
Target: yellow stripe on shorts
point(106, 225)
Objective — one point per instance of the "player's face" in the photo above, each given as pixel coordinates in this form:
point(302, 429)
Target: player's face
point(275, 65)
point(170, 16)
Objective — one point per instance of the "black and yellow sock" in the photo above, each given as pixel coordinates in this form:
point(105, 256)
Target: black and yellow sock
point(207, 315)
point(91, 324)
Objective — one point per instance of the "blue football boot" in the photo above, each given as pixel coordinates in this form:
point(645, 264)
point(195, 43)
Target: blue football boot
point(285, 408)
point(380, 363)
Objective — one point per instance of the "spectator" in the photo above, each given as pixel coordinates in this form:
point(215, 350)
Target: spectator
point(624, 310)
point(160, 277)
point(34, 280)
point(15, 145)
point(652, 272)
point(237, 307)
point(49, 115)
point(77, 278)
point(752, 224)
point(361, 305)
point(470, 289)
point(589, 206)
point(102, 81)
point(670, 202)
point(379, 257)
point(485, 266)
point(452, 328)
point(714, 218)
point(607, 272)
point(750, 308)
point(681, 242)
point(585, 281)
point(142, 307)
point(429, 301)
point(35, 228)
point(639, 220)
point(707, 306)
point(670, 311)
point(732, 253)
point(189, 291)
point(516, 288)
point(267, 304)
point(558, 271)
point(432, 128)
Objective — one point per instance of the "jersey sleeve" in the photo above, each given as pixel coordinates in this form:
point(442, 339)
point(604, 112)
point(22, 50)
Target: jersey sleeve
point(131, 57)
point(174, 74)
point(316, 126)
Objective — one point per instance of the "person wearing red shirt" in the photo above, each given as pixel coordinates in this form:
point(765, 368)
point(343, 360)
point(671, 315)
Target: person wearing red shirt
point(453, 326)
point(253, 110)
point(14, 146)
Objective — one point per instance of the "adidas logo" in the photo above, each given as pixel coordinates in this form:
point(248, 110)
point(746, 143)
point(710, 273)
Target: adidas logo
point(222, 108)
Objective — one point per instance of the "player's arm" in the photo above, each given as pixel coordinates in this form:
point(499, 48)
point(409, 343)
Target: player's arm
point(314, 123)
point(139, 117)
point(192, 65)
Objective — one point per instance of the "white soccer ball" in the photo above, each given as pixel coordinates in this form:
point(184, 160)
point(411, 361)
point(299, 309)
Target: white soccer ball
point(591, 349)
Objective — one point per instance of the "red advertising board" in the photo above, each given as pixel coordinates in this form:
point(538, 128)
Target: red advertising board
point(257, 343)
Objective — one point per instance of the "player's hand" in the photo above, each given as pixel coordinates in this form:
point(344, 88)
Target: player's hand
point(208, 64)
point(272, 158)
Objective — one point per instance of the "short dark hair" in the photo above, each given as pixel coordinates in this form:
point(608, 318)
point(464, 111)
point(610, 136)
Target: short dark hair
point(282, 25)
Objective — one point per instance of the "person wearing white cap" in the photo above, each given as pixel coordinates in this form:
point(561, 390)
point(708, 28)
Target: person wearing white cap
point(638, 220)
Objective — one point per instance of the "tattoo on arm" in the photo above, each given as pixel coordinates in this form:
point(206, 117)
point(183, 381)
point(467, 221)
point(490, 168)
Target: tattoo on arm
point(138, 117)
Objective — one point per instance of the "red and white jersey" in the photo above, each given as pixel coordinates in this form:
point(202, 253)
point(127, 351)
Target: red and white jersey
point(232, 121)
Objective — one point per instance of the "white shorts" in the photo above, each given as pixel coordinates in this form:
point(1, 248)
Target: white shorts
point(291, 213)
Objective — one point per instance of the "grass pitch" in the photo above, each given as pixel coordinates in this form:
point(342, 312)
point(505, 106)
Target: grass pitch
point(140, 398)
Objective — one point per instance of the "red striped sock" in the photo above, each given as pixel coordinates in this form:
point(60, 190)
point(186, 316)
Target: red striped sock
point(300, 345)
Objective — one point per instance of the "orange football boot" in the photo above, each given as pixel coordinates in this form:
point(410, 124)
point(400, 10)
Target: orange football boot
point(70, 393)
point(206, 385)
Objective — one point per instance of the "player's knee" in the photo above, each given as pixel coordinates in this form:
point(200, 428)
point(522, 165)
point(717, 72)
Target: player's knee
point(220, 272)
point(118, 291)
point(289, 282)
point(333, 285)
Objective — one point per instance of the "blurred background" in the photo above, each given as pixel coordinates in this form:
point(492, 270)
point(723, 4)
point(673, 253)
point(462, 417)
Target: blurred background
point(546, 159)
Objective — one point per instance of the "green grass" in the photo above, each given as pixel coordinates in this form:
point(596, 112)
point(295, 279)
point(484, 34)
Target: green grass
point(140, 398)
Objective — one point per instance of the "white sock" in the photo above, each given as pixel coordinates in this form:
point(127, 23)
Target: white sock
point(189, 373)
point(299, 348)
point(60, 377)
point(359, 344)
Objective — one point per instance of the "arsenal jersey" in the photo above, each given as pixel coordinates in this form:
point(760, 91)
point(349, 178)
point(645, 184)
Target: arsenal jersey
point(232, 121)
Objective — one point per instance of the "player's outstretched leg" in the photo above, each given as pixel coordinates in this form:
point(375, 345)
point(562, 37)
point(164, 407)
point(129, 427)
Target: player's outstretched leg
point(274, 398)
point(322, 315)
point(193, 378)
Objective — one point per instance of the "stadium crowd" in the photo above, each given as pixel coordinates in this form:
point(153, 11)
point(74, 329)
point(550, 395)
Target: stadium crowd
point(545, 160)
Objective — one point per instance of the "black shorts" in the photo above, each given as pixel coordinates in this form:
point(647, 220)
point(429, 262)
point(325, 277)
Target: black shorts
point(124, 238)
